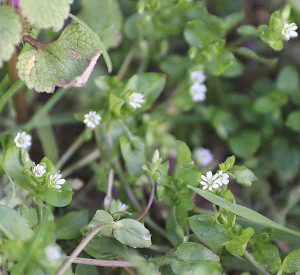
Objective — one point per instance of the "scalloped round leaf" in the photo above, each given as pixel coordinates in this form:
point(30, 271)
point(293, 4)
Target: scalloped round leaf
point(66, 62)
point(10, 32)
point(44, 14)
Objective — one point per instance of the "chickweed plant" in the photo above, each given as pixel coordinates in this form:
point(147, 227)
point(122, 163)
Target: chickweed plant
point(149, 137)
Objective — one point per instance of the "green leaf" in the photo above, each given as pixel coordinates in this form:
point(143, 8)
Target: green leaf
point(102, 217)
point(243, 175)
point(105, 247)
point(86, 269)
point(227, 164)
point(288, 80)
point(190, 252)
point(104, 18)
point(132, 233)
point(68, 226)
point(238, 245)
point(270, 102)
point(12, 164)
point(13, 225)
point(208, 231)
point(291, 263)
point(267, 255)
point(10, 29)
point(243, 212)
point(65, 62)
point(248, 30)
point(272, 34)
point(149, 84)
point(133, 152)
point(45, 14)
point(198, 34)
point(58, 198)
point(246, 143)
point(184, 154)
point(248, 53)
point(293, 121)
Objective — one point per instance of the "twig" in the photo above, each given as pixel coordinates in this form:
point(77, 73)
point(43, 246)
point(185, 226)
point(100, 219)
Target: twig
point(252, 261)
point(81, 163)
point(108, 197)
point(79, 248)
point(150, 201)
point(33, 42)
point(109, 263)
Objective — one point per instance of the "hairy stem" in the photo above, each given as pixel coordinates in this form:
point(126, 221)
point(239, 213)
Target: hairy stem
point(150, 201)
point(80, 248)
point(109, 263)
point(252, 261)
point(108, 197)
point(33, 42)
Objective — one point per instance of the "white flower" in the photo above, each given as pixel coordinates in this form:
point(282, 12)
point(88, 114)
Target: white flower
point(289, 31)
point(39, 170)
point(136, 100)
point(209, 181)
point(198, 76)
point(53, 253)
point(23, 140)
point(56, 181)
point(197, 92)
point(92, 119)
point(203, 156)
point(223, 178)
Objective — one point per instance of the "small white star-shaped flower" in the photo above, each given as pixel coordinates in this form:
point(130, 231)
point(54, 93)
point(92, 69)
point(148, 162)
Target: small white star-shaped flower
point(23, 140)
point(92, 119)
point(198, 76)
point(53, 253)
point(136, 100)
point(289, 31)
point(56, 181)
point(197, 92)
point(203, 156)
point(223, 178)
point(209, 181)
point(39, 170)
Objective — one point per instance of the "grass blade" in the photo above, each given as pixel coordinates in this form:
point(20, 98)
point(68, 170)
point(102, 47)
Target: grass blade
point(243, 211)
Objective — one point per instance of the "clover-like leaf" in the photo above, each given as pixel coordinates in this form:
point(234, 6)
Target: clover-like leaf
point(65, 62)
point(10, 32)
point(44, 14)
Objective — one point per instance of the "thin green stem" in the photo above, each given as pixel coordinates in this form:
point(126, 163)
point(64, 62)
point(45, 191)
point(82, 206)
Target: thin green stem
point(16, 87)
point(252, 261)
point(6, 232)
point(40, 211)
point(35, 120)
point(81, 163)
point(4, 84)
point(71, 150)
point(126, 63)
point(128, 132)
